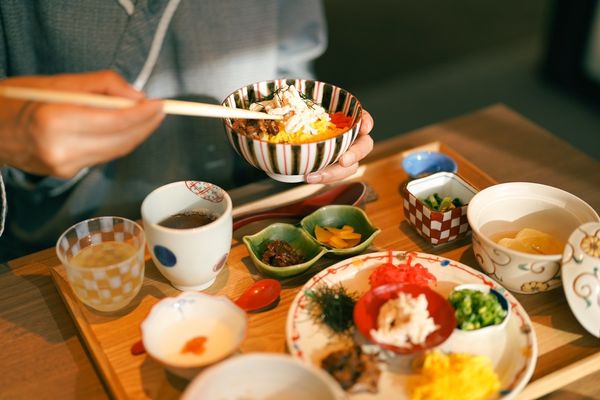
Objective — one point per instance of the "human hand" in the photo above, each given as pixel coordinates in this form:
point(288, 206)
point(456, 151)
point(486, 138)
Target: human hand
point(61, 139)
point(348, 163)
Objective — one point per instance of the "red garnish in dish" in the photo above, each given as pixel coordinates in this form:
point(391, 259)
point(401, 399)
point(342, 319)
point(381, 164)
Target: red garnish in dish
point(340, 120)
point(195, 345)
point(403, 273)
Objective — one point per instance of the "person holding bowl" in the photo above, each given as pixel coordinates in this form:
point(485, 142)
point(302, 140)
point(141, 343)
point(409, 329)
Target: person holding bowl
point(64, 163)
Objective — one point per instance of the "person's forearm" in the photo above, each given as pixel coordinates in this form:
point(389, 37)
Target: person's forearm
point(61, 139)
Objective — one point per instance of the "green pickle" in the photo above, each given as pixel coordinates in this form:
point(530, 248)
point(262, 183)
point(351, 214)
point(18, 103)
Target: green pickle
point(475, 309)
point(437, 203)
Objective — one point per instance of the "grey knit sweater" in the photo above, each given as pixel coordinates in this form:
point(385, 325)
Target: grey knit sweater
point(198, 49)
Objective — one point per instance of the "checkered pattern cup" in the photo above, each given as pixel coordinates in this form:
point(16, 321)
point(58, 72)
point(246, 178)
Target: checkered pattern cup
point(109, 285)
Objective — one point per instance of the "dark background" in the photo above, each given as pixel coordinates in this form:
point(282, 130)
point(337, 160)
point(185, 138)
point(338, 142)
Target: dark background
point(416, 63)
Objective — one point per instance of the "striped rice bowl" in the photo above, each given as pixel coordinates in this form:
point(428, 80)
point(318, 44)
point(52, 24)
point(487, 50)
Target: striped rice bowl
point(291, 162)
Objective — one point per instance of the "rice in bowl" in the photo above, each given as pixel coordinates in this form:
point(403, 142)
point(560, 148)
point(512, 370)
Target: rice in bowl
point(320, 123)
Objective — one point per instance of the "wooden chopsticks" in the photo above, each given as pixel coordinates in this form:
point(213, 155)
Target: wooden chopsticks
point(94, 100)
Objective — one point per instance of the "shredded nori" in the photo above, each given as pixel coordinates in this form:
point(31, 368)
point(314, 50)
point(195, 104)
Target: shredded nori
point(333, 306)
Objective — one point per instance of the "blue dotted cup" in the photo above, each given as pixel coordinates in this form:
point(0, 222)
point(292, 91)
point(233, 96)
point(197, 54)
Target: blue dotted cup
point(192, 257)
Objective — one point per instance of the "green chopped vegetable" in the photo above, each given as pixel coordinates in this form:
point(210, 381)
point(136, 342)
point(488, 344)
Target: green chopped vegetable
point(333, 306)
point(437, 203)
point(475, 309)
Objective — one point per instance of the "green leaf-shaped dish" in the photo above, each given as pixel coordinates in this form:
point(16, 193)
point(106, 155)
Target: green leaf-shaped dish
point(295, 236)
point(337, 216)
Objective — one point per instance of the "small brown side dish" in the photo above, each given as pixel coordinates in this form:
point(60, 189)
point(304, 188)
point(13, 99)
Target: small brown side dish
point(354, 370)
point(279, 253)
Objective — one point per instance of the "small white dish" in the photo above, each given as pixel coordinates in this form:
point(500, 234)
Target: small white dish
point(581, 275)
point(265, 376)
point(486, 329)
point(174, 321)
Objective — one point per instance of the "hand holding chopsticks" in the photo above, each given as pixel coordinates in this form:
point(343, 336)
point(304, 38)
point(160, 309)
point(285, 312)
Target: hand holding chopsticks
point(102, 101)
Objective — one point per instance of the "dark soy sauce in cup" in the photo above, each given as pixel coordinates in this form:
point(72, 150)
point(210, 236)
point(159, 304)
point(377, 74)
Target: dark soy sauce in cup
point(188, 220)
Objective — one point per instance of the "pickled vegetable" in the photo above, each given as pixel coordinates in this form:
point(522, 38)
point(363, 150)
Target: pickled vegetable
point(338, 238)
point(437, 203)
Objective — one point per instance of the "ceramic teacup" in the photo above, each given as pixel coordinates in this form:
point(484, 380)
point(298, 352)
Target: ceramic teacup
point(189, 258)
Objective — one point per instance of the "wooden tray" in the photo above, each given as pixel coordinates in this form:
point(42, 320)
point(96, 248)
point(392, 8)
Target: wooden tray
point(566, 351)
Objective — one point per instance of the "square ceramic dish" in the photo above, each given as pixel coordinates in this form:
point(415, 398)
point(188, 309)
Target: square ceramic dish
point(436, 226)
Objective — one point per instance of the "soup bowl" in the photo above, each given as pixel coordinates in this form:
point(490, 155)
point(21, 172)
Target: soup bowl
point(263, 376)
point(290, 162)
point(511, 207)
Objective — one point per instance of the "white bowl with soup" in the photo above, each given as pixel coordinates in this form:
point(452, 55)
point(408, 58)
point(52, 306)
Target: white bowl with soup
point(263, 376)
point(519, 232)
point(193, 330)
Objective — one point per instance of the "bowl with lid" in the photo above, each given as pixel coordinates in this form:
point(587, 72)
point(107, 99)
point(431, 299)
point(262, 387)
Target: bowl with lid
point(520, 230)
point(320, 122)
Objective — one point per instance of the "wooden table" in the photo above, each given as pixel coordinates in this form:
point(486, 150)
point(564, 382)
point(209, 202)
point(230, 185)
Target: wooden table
point(43, 357)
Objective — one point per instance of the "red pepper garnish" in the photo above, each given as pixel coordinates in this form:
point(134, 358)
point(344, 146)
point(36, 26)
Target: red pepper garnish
point(195, 345)
point(403, 273)
point(340, 120)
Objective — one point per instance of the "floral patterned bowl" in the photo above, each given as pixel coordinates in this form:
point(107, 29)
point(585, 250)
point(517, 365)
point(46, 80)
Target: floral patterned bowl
point(291, 162)
point(510, 207)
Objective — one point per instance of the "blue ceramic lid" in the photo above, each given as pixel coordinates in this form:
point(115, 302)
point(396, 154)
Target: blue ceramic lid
point(427, 162)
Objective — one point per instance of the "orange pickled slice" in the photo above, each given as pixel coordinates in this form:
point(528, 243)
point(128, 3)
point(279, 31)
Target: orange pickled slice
point(338, 243)
point(349, 235)
point(339, 238)
point(353, 242)
point(322, 235)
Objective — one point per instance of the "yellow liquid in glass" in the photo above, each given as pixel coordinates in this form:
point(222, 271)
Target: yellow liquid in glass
point(103, 254)
point(531, 241)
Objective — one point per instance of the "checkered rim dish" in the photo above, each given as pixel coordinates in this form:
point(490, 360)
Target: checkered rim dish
point(438, 227)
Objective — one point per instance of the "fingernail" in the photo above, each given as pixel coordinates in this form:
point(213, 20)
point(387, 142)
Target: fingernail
point(348, 159)
point(315, 177)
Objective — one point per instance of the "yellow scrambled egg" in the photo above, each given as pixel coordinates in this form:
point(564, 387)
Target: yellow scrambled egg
point(325, 130)
point(454, 377)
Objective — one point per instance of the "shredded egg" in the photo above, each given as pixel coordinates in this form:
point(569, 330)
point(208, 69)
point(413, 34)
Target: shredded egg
point(454, 377)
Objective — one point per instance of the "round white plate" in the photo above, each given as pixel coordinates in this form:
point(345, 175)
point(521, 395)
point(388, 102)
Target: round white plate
point(513, 351)
point(581, 275)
